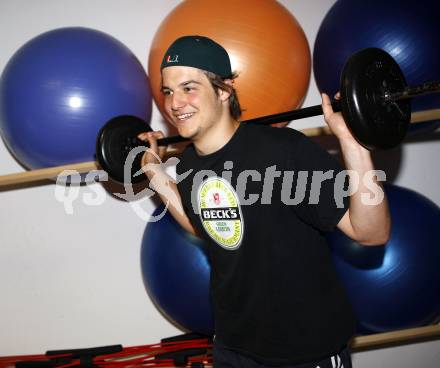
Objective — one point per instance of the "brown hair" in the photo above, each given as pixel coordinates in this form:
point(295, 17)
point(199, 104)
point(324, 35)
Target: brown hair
point(218, 82)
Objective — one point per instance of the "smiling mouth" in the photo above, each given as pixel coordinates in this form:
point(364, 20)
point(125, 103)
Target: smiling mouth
point(184, 117)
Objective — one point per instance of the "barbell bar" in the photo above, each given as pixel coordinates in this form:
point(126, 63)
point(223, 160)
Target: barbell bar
point(38, 176)
point(375, 103)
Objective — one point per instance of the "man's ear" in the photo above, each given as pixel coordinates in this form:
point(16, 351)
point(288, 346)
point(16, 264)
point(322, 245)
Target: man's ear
point(224, 94)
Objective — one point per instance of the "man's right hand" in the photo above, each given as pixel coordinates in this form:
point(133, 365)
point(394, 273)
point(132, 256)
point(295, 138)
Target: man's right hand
point(152, 154)
point(161, 182)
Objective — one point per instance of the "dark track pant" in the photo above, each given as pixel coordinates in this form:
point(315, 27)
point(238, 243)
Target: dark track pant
point(225, 358)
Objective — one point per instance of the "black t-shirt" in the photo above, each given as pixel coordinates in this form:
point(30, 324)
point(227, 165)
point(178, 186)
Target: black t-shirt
point(275, 292)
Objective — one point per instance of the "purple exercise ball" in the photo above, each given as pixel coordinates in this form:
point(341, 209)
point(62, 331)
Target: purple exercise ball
point(408, 31)
point(61, 87)
point(395, 286)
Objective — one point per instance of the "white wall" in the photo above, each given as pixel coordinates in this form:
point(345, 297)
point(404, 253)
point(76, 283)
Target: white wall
point(74, 280)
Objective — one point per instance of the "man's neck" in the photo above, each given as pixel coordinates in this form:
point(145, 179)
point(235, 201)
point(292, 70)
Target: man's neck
point(217, 136)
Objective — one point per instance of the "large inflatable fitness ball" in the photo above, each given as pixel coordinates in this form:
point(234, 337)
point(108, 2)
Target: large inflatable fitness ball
point(60, 87)
point(266, 44)
point(176, 274)
point(408, 31)
point(395, 286)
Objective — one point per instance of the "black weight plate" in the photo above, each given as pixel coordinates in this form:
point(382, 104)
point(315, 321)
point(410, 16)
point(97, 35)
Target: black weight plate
point(115, 140)
point(375, 121)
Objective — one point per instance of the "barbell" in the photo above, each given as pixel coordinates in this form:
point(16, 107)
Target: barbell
point(375, 104)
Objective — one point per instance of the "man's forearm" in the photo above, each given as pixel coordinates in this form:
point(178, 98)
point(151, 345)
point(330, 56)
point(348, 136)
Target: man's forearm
point(370, 220)
point(165, 186)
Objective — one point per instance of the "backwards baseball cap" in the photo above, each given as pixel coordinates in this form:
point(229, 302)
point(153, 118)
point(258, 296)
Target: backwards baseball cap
point(198, 52)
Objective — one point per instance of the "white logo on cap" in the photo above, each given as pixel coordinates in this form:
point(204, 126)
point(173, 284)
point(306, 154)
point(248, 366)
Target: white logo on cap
point(175, 59)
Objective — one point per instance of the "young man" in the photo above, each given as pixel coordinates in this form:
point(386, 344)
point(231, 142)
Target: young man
point(276, 296)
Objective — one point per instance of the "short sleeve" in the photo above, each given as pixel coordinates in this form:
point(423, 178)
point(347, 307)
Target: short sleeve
point(323, 204)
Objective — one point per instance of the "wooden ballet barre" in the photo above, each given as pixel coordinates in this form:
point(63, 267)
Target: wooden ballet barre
point(84, 167)
point(46, 173)
point(425, 115)
point(395, 337)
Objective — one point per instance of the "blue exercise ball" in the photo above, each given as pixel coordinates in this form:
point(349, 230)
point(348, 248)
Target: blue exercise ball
point(395, 286)
point(176, 274)
point(61, 87)
point(407, 30)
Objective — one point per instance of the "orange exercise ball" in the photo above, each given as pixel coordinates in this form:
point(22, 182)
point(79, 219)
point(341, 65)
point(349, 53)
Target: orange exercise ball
point(266, 44)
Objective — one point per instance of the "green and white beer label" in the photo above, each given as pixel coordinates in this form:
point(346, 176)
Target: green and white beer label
point(220, 212)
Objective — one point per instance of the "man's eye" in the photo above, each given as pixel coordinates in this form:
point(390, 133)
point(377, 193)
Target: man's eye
point(188, 89)
point(166, 92)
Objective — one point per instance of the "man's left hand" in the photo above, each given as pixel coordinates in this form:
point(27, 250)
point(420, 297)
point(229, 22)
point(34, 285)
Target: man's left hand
point(335, 120)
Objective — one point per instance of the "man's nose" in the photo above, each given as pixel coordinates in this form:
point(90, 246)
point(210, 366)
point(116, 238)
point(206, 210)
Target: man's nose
point(177, 101)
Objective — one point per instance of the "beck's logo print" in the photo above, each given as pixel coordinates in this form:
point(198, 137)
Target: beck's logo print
point(220, 212)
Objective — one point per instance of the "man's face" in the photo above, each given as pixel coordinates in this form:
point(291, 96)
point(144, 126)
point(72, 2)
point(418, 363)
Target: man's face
point(191, 103)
